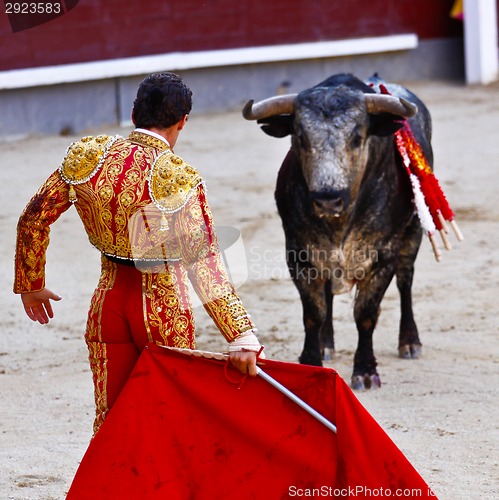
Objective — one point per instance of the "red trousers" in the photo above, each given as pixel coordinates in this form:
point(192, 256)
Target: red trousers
point(129, 309)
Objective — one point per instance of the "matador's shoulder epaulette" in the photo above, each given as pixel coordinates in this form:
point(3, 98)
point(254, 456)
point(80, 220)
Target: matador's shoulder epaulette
point(83, 159)
point(171, 182)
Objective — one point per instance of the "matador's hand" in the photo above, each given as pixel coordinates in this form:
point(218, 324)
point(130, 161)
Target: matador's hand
point(244, 361)
point(37, 305)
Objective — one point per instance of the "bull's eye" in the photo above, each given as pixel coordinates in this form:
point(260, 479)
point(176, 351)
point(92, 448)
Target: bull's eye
point(355, 140)
point(302, 139)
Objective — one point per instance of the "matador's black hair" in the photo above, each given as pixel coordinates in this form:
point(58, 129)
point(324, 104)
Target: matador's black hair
point(162, 100)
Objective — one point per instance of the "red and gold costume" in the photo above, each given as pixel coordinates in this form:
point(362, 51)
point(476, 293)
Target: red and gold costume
point(145, 209)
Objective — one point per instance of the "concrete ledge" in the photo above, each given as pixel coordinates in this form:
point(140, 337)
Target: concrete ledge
point(178, 61)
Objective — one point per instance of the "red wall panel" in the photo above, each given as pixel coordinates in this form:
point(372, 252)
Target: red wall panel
point(107, 29)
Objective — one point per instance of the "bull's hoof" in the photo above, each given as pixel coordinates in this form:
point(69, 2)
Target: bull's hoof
point(365, 382)
point(416, 351)
point(328, 354)
point(410, 351)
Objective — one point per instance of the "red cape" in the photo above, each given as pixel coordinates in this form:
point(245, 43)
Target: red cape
point(181, 430)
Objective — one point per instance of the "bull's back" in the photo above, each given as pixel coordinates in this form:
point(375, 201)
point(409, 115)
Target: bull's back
point(421, 124)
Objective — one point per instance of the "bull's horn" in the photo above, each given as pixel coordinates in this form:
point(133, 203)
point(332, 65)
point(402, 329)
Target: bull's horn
point(277, 105)
point(381, 103)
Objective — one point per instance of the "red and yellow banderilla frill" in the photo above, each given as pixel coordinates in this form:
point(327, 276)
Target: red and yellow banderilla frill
point(431, 204)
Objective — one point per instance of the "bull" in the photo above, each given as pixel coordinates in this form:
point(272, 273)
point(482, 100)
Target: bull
point(346, 206)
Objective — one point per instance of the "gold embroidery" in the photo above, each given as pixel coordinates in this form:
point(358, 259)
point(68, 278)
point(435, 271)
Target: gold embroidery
point(167, 321)
point(97, 352)
point(224, 307)
point(147, 140)
point(108, 274)
point(83, 159)
point(33, 231)
point(145, 295)
point(171, 182)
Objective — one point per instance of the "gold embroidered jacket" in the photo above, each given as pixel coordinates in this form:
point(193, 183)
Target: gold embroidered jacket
point(139, 202)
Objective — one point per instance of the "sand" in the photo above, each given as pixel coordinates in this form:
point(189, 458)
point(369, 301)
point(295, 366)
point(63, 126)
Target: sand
point(441, 410)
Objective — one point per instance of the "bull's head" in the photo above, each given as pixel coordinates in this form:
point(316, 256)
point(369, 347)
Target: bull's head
point(332, 130)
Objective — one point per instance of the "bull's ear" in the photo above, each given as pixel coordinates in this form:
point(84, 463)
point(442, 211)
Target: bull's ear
point(277, 126)
point(384, 124)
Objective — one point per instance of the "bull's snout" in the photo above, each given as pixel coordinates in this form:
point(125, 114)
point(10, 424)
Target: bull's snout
point(330, 203)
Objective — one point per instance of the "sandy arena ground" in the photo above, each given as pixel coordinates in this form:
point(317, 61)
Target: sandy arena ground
point(441, 410)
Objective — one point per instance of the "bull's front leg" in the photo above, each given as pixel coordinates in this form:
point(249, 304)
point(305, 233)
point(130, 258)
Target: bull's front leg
point(409, 344)
point(327, 332)
point(366, 311)
point(318, 325)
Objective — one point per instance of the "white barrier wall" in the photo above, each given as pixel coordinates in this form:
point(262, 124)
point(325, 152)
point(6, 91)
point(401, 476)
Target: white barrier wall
point(480, 41)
